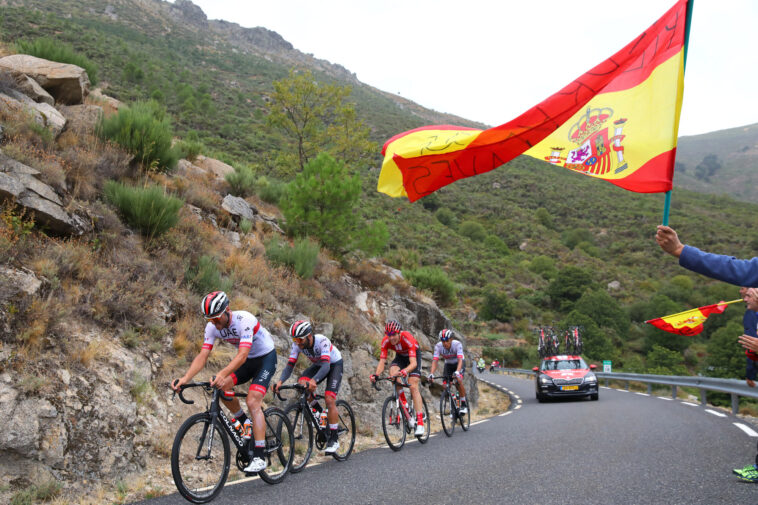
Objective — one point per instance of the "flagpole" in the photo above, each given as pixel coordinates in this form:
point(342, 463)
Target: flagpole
point(688, 19)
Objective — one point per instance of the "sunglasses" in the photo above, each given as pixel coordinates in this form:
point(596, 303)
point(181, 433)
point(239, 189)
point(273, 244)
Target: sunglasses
point(214, 319)
point(392, 333)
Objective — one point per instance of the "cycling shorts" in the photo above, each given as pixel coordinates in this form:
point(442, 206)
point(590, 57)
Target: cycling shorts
point(259, 369)
point(452, 367)
point(333, 378)
point(404, 361)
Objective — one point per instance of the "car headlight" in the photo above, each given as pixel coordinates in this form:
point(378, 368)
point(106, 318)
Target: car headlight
point(545, 379)
point(590, 377)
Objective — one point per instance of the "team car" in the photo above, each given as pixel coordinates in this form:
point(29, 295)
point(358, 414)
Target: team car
point(565, 376)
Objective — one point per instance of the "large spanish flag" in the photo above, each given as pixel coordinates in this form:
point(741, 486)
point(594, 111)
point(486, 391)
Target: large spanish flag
point(617, 122)
point(689, 322)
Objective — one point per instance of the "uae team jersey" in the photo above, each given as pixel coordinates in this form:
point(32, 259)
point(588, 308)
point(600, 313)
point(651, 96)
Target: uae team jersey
point(322, 350)
point(405, 347)
point(244, 330)
point(449, 355)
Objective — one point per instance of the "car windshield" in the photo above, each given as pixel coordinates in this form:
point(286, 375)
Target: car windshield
point(567, 364)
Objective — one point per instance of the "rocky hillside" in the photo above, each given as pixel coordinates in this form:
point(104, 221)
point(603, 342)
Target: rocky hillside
point(96, 319)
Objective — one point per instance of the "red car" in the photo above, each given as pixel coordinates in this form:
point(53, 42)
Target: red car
point(564, 376)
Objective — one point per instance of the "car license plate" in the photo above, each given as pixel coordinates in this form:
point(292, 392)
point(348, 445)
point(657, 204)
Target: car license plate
point(569, 388)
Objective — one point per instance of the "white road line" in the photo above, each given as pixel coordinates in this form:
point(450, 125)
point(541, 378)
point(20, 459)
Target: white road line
point(517, 407)
point(622, 390)
point(479, 422)
point(503, 414)
point(746, 429)
point(516, 396)
point(246, 479)
point(690, 404)
point(642, 394)
point(715, 413)
point(665, 398)
point(605, 387)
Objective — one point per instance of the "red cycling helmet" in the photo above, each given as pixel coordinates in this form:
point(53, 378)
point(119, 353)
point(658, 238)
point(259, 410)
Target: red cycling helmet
point(392, 327)
point(214, 304)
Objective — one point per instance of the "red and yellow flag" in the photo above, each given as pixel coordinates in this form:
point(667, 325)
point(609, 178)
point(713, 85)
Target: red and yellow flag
point(617, 122)
point(689, 322)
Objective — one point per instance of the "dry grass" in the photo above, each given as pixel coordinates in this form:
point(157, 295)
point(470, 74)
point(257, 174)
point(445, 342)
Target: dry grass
point(187, 342)
point(89, 353)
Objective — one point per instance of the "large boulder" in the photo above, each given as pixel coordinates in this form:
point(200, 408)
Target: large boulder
point(216, 167)
point(68, 84)
point(43, 113)
point(81, 118)
point(19, 182)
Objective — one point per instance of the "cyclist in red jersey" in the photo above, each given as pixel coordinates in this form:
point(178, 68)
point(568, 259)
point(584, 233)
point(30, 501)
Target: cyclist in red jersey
point(407, 363)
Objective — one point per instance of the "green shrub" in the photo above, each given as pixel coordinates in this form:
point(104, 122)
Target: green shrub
point(246, 225)
point(544, 217)
point(241, 181)
point(55, 50)
point(445, 216)
point(473, 230)
point(144, 130)
point(496, 305)
point(150, 210)
point(302, 258)
point(544, 266)
point(270, 190)
point(572, 238)
point(37, 493)
point(190, 147)
point(496, 244)
point(433, 279)
point(206, 277)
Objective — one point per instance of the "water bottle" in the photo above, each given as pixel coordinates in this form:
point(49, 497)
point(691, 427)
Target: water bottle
point(322, 421)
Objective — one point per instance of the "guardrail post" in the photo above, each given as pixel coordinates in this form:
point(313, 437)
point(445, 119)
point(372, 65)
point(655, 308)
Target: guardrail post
point(703, 397)
point(627, 385)
point(673, 392)
point(649, 388)
point(735, 404)
point(606, 382)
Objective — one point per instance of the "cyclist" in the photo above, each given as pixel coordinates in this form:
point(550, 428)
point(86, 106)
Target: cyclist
point(451, 351)
point(255, 361)
point(407, 363)
point(326, 364)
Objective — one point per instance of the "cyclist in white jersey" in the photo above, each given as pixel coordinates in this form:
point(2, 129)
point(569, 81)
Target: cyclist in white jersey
point(326, 364)
point(451, 351)
point(255, 361)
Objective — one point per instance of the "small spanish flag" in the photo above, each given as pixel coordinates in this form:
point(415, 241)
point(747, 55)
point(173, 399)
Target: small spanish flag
point(689, 322)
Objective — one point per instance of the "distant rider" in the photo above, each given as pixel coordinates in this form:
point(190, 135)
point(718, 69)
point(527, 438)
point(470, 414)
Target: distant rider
point(450, 350)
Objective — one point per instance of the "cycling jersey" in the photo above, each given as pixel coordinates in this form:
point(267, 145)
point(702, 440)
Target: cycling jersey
point(322, 350)
point(244, 330)
point(323, 354)
point(451, 355)
point(406, 346)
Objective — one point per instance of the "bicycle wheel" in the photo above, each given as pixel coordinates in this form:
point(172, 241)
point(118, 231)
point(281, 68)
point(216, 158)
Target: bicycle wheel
point(465, 419)
point(394, 424)
point(302, 433)
point(200, 459)
point(427, 423)
point(280, 446)
point(345, 431)
point(447, 413)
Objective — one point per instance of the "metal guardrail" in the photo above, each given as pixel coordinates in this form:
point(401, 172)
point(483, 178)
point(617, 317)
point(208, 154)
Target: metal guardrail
point(733, 387)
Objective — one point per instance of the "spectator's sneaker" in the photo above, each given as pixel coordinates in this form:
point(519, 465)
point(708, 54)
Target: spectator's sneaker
point(419, 430)
point(749, 475)
point(247, 430)
point(333, 444)
point(256, 465)
point(740, 471)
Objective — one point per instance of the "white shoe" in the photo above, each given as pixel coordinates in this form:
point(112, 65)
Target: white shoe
point(332, 447)
point(255, 466)
point(419, 430)
point(463, 410)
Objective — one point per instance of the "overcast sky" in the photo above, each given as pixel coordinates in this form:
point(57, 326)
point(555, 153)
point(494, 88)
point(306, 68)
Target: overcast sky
point(490, 60)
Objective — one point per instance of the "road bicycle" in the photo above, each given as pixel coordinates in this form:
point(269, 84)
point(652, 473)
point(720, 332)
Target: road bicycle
point(200, 456)
point(450, 407)
point(398, 418)
point(308, 427)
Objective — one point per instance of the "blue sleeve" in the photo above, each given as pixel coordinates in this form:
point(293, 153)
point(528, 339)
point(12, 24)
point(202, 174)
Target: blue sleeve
point(718, 266)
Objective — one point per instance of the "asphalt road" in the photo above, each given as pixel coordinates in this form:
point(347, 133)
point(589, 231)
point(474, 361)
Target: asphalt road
point(626, 448)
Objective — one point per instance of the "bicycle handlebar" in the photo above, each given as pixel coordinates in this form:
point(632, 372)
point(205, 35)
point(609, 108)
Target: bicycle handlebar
point(204, 385)
point(394, 379)
point(299, 387)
